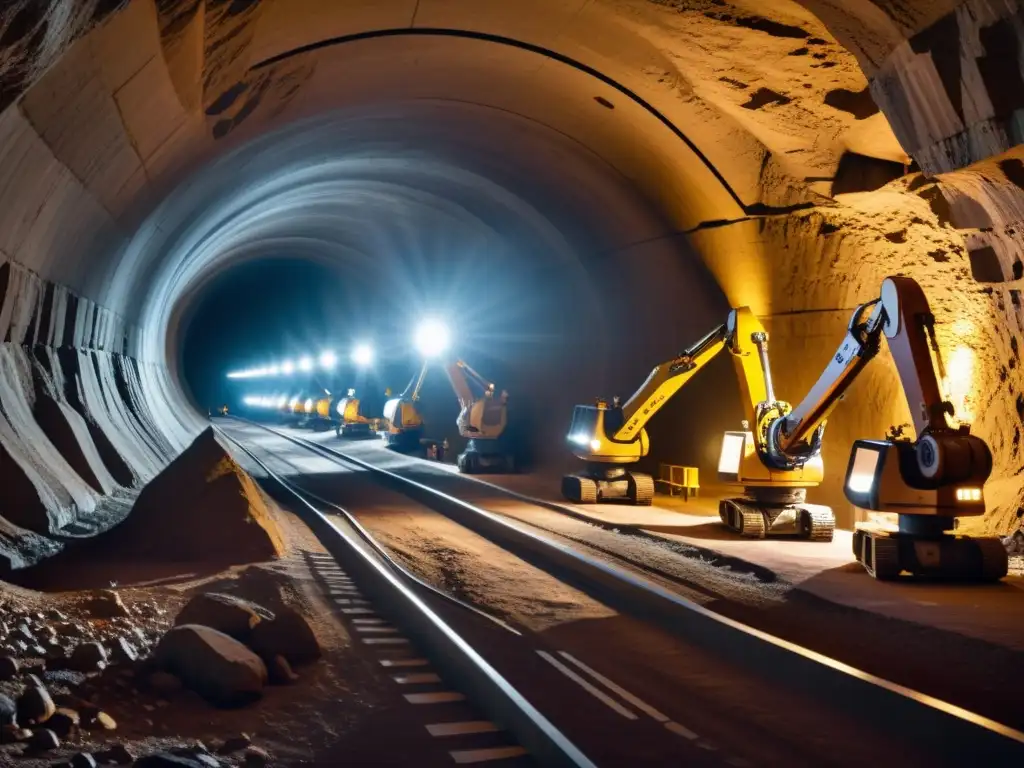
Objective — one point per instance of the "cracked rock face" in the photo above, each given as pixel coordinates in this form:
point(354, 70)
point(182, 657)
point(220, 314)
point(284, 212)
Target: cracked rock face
point(806, 149)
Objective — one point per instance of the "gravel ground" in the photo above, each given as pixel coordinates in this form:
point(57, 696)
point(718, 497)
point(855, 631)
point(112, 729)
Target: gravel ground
point(337, 708)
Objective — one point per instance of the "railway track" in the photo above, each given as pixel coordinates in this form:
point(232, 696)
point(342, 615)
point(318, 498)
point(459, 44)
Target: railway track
point(665, 667)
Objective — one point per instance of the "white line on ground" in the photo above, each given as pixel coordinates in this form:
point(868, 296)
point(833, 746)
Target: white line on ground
point(356, 610)
point(462, 729)
point(384, 640)
point(438, 697)
point(376, 630)
point(597, 694)
point(637, 702)
point(403, 662)
point(367, 621)
point(467, 756)
point(681, 730)
point(416, 678)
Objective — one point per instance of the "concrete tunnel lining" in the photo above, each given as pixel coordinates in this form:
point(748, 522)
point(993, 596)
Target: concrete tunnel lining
point(108, 141)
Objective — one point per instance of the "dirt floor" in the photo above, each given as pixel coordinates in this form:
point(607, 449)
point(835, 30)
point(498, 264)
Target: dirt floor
point(339, 708)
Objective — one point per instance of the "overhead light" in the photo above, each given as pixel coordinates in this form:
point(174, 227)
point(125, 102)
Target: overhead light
point(287, 367)
point(432, 338)
point(306, 364)
point(328, 360)
point(362, 355)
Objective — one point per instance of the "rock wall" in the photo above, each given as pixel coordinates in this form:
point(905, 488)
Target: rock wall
point(74, 422)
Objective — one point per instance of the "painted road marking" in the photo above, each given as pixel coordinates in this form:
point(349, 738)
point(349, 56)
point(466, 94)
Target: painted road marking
point(403, 662)
point(597, 694)
point(367, 621)
point(681, 730)
point(438, 697)
point(462, 729)
point(611, 685)
point(636, 701)
point(357, 610)
point(384, 640)
point(416, 678)
point(467, 756)
point(376, 630)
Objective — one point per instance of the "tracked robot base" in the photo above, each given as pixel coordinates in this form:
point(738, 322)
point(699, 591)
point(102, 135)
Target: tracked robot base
point(764, 512)
point(604, 482)
point(352, 430)
point(483, 456)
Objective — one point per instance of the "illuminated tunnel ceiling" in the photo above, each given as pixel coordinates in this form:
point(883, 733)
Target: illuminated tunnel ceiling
point(146, 145)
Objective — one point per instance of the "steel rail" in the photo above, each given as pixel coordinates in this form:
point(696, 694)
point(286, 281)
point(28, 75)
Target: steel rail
point(456, 659)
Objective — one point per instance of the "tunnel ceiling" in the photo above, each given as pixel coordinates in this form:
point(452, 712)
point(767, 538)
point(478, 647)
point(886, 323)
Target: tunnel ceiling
point(657, 95)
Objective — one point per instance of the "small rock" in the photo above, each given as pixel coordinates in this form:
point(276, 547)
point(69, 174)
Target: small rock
point(164, 683)
point(11, 734)
point(122, 651)
point(280, 671)
point(63, 722)
point(35, 705)
point(22, 632)
point(88, 657)
point(256, 756)
point(83, 760)
point(231, 615)
point(118, 754)
point(106, 604)
point(36, 652)
point(54, 615)
point(8, 710)
point(44, 740)
point(235, 744)
point(8, 667)
point(288, 634)
point(69, 629)
point(101, 721)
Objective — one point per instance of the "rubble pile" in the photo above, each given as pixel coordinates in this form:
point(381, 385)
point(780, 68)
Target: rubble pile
point(60, 669)
point(202, 508)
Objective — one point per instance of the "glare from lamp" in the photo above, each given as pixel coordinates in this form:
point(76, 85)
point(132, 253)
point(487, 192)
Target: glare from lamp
point(328, 360)
point(595, 445)
point(860, 483)
point(287, 367)
point(306, 364)
point(362, 355)
point(432, 338)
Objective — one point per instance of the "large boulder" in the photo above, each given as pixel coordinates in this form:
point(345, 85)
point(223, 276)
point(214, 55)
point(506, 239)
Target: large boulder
point(202, 508)
point(225, 613)
point(214, 665)
point(287, 634)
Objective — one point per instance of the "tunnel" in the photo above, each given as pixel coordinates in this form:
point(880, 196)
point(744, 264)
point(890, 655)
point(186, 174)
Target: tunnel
point(583, 188)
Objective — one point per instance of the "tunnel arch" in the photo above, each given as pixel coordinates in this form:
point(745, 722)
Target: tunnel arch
point(108, 126)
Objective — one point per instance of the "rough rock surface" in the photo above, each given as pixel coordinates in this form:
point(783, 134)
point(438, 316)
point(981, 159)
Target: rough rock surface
point(216, 666)
point(202, 507)
point(287, 634)
point(225, 613)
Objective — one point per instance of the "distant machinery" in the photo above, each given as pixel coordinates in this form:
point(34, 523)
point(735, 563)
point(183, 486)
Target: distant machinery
point(482, 419)
point(350, 422)
point(402, 428)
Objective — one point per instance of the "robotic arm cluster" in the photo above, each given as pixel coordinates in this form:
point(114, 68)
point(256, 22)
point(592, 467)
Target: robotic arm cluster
point(928, 482)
